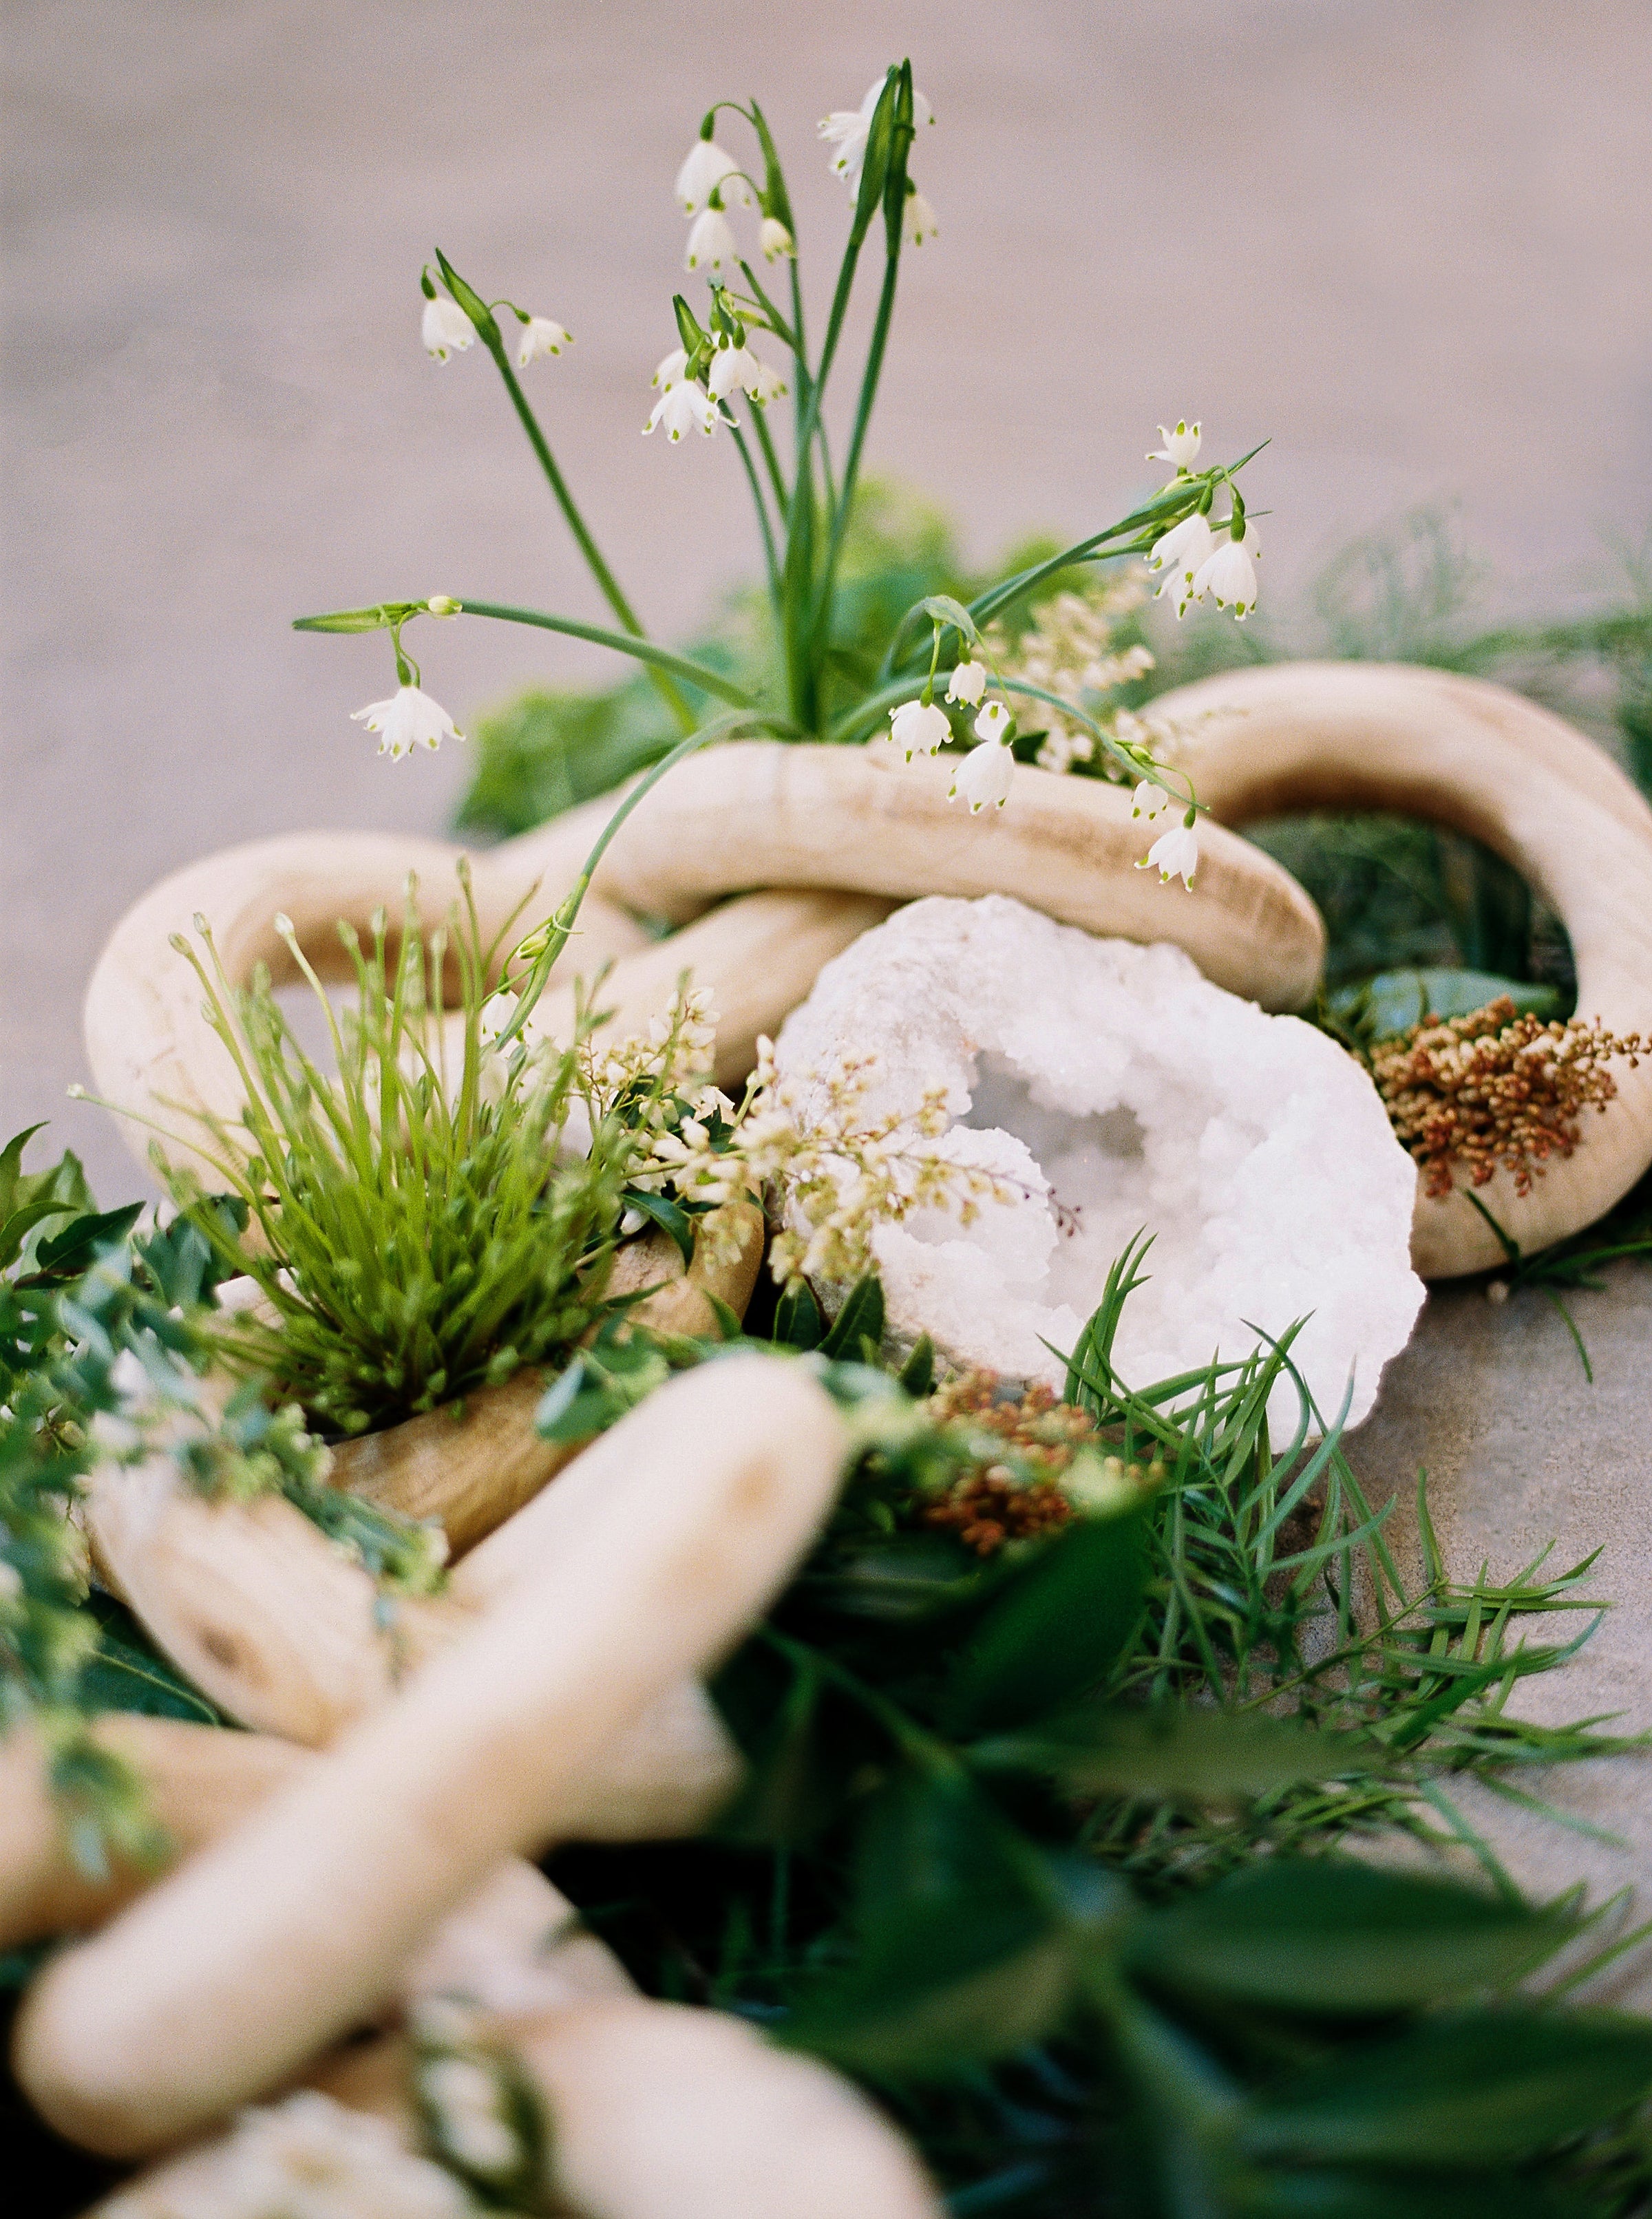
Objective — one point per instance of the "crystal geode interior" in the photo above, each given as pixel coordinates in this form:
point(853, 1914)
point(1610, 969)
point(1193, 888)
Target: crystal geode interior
point(1120, 1090)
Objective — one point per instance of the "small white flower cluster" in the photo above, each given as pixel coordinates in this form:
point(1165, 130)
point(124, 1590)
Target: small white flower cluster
point(833, 1174)
point(446, 329)
point(847, 130)
point(307, 2158)
point(1194, 559)
point(686, 405)
point(710, 182)
point(1071, 649)
point(672, 1057)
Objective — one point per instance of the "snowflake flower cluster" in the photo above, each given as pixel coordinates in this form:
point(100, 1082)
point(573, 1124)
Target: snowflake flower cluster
point(1192, 558)
point(848, 129)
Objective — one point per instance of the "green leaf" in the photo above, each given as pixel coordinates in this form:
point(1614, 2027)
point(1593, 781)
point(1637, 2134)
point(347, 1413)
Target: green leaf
point(1391, 1002)
point(1054, 1630)
point(798, 1320)
point(1332, 1936)
point(1478, 2088)
point(945, 610)
point(68, 1253)
point(858, 1330)
point(956, 1958)
point(15, 1229)
point(1172, 1754)
point(11, 1164)
point(917, 1374)
point(670, 1216)
point(1349, 2194)
point(128, 1673)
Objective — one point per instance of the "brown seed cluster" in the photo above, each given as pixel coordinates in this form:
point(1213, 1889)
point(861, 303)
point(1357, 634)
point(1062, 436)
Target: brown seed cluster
point(1494, 1090)
point(995, 1502)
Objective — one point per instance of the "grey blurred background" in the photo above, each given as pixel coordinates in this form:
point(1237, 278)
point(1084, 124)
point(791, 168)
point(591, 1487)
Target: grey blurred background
point(1409, 241)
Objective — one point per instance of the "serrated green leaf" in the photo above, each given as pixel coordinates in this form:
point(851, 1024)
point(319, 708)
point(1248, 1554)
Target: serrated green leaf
point(1478, 2088)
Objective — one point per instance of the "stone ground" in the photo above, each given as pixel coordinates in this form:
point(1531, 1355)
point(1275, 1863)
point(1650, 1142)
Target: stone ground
point(1403, 239)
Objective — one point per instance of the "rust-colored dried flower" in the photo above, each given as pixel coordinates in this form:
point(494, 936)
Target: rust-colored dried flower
point(1494, 1091)
point(1033, 1464)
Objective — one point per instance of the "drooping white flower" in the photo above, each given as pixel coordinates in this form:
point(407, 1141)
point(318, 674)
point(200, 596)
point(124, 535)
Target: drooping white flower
point(734, 369)
point(1174, 854)
point(1181, 446)
point(684, 408)
point(539, 336)
point(465, 2097)
point(445, 328)
point(703, 172)
point(983, 775)
point(919, 728)
point(408, 719)
point(775, 240)
point(1228, 575)
point(967, 683)
point(847, 129)
point(1177, 556)
point(920, 220)
point(671, 369)
point(1149, 800)
point(992, 722)
point(711, 242)
point(769, 385)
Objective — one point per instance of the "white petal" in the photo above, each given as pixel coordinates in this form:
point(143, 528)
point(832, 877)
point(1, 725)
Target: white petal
point(967, 683)
point(703, 171)
point(445, 328)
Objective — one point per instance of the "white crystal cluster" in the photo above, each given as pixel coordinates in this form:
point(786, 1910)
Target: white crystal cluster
point(1119, 1090)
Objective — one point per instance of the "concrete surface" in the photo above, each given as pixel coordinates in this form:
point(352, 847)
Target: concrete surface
point(1407, 240)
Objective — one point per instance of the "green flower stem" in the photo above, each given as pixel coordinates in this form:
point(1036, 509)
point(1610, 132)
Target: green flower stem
point(822, 615)
point(643, 651)
point(865, 714)
point(770, 562)
point(765, 440)
point(669, 693)
point(560, 929)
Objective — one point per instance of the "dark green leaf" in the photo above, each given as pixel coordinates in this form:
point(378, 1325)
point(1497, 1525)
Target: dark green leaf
point(1056, 1628)
point(128, 1673)
point(917, 1374)
point(858, 1329)
point(1176, 1754)
point(798, 1320)
point(17, 1228)
point(67, 1254)
point(668, 1215)
point(11, 1164)
point(1347, 2194)
point(1329, 1935)
point(1478, 2088)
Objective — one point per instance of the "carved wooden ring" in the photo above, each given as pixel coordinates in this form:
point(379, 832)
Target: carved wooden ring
point(1486, 762)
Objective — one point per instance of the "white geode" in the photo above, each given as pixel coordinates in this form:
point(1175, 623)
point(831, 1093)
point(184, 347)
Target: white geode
point(1121, 1091)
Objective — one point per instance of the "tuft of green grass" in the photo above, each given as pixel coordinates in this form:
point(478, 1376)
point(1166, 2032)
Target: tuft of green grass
point(420, 1229)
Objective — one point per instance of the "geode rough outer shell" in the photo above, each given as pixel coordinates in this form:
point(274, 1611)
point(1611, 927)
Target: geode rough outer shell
point(1120, 1092)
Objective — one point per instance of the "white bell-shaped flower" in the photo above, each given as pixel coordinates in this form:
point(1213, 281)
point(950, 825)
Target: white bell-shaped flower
point(848, 129)
point(708, 169)
point(408, 719)
point(1181, 446)
point(539, 336)
point(1149, 800)
point(919, 728)
point(1228, 573)
point(734, 370)
point(684, 408)
point(671, 370)
point(711, 242)
point(445, 328)
point(967, 683)
point(769, 385)
point(1177, 556)
point(775, 240)
point(1174, 854)
point(920, 222)
point(993, 722)
point(984, 776)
